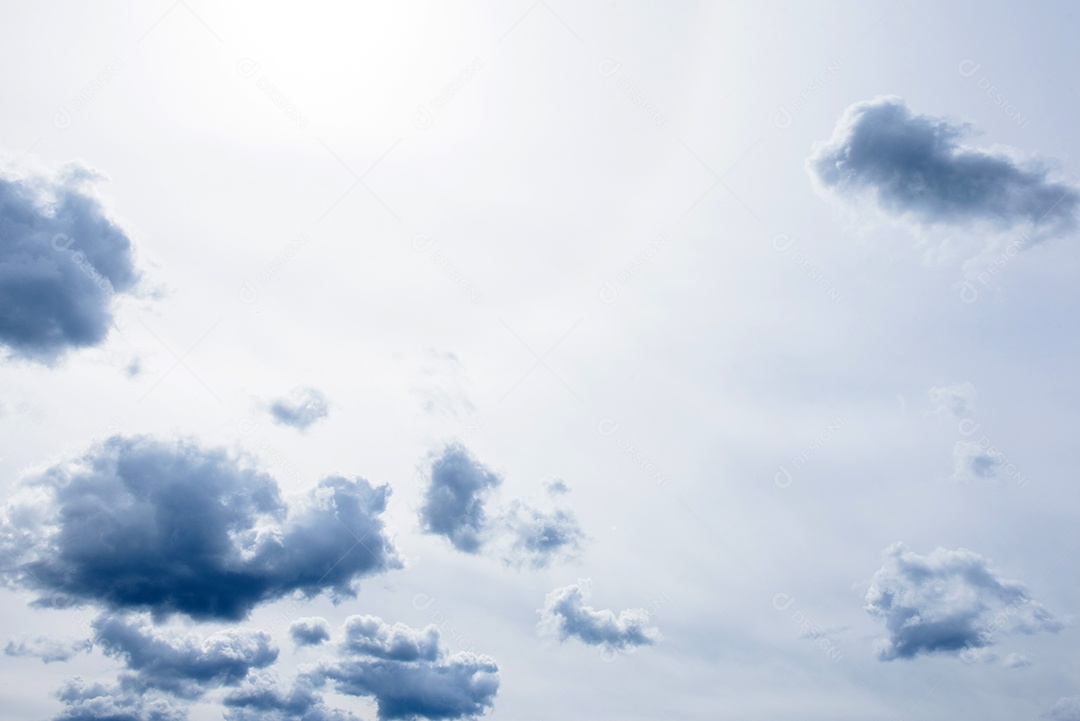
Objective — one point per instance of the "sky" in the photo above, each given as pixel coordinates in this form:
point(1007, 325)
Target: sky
point(539, 360)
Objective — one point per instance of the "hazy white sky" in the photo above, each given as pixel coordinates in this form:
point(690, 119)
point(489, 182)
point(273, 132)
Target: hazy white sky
point(770, 287)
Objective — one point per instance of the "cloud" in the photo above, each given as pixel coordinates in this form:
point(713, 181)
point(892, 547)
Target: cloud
point(972, 461)
point(441, 385)
point(1017, 660)
point(62, 261)
point(263, 700)
point(556, 486)
point(186, 666)
point(407, 672)
point(566, 614)
point(1067, 708)
point(369, 636)
point(914, 166)
point(454, 499)
point(115, 702)
point(47, 649)
point(309, 631)
point(456, 506)
point(170, 527)
point(947, 602)
point(301, 408)
point(540, 537)
point(957, 400)
point(174, 671)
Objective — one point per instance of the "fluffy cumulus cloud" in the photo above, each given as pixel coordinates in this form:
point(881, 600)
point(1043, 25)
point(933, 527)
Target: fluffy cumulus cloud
point(186, 666)
point(457, 505)
point(370, 636)
point(566, 613)
point(441, 383)
point(262, 699)
point(454, 500)
point(47, 649)
point(301, 408)
point(408, 673)
point(165, 673)
point(62, 262)
point(948, 602)
point(309, 631)
point(915, 166)
point(116, 528)
point(116, 702)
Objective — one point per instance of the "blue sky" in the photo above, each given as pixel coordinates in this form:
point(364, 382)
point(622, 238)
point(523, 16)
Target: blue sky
point(538, 361)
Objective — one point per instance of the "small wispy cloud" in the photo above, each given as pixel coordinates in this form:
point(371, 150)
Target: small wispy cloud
point(300, 409)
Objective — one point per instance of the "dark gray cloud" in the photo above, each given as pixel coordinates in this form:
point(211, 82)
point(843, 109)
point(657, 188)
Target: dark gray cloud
point(143, 524)
point(186, 666)
point(62, 261)
point(567, 614)
point(262, 699)
point(309, 631)
point(301, 408)
point(948, 602)
point(916, 166)
point(454, 499)
point(408, 674)
point(116, 702)
point(47, 649)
